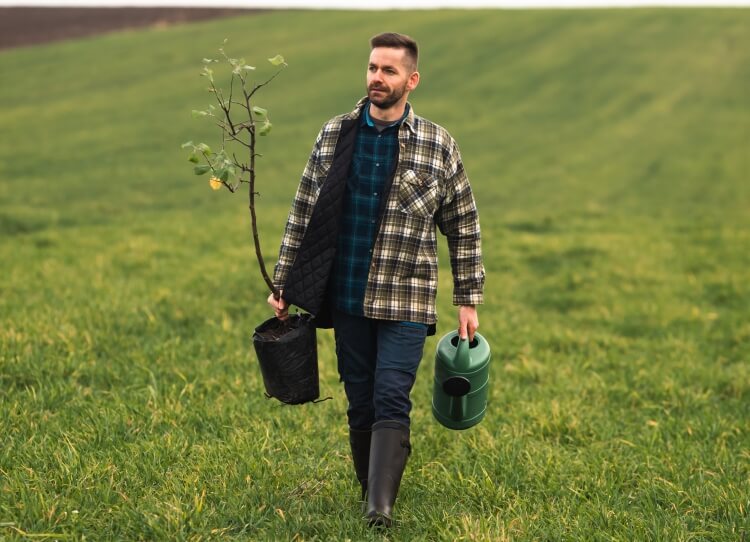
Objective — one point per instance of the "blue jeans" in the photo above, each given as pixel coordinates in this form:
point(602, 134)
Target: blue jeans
point(377, 361)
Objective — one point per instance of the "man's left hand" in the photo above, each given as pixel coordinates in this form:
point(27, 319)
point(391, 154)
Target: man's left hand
point(468, 321)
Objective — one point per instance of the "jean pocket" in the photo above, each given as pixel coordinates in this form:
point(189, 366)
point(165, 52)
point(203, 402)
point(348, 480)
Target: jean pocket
point(414, 325)
point(401, 346)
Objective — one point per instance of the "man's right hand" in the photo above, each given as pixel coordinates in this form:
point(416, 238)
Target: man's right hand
point(280, 308)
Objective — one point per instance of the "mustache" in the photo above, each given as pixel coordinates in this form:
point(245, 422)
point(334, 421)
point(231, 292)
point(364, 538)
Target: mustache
point(376, 87)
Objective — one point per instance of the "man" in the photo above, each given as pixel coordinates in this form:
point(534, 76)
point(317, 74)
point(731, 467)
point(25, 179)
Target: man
point(360, 253)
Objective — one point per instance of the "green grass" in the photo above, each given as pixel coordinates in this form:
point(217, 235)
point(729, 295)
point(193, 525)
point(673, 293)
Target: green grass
point(609, 155)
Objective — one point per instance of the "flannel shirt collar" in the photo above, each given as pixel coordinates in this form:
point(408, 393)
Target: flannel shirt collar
point(408, 121)
point(366, 119)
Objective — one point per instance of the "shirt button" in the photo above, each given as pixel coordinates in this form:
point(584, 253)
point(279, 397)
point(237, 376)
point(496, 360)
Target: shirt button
point(377, 165)
point(374, 193)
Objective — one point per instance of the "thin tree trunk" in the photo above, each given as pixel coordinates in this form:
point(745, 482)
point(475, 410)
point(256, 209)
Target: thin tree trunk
point(254, 223)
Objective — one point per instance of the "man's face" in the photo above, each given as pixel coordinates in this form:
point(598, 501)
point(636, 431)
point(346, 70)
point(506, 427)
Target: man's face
point(388, 77)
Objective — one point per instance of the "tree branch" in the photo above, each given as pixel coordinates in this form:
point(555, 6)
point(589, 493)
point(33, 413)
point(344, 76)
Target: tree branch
point(261, 85)
point(235, 102)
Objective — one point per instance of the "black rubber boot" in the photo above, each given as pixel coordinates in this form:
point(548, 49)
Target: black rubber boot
point(359, 440)
point(389, 450)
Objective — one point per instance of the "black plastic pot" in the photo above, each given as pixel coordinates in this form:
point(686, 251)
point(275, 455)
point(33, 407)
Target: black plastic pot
point(288, 356)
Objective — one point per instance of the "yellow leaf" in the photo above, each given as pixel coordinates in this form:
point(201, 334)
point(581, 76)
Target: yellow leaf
point(214, 183)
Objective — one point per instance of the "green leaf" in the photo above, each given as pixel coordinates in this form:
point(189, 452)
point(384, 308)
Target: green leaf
point(209, 60)
point(197, 113)
point(194, 158)
point(248, 68)
point(265, 129)
point(202, 147)
point(187, 144)
point(200, 170)
point(207, 72)
point(278, 60)
point(262, 113)
point(224, 175)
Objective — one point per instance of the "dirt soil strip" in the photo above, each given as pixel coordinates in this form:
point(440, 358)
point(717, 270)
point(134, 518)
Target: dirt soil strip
point(21, 26)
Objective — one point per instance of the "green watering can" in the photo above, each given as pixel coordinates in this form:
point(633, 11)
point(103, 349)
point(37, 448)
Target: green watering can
point(459, 397)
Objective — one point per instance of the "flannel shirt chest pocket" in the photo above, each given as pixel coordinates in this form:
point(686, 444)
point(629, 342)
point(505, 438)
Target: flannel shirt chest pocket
point(418, 194)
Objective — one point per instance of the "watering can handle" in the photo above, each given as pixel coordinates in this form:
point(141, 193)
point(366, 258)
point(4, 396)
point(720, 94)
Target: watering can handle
point(463, 357)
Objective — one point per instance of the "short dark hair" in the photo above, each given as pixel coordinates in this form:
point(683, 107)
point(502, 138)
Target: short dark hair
point(398, 41)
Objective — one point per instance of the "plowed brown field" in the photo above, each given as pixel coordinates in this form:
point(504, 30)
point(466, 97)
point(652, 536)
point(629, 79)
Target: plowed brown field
point(21, 26)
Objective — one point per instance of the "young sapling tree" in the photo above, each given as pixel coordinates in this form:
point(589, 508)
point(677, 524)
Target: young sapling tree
point(241, 121)
point(286, 349)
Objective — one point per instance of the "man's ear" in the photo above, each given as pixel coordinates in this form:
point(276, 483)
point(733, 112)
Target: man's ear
point(413, 81)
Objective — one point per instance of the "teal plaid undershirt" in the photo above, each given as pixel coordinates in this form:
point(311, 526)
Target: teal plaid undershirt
point(375, 154)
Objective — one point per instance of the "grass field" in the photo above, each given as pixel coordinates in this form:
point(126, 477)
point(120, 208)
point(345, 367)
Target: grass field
point(608, 151)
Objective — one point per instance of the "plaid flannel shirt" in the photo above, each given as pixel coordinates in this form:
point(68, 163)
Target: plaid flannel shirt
point(429, 188)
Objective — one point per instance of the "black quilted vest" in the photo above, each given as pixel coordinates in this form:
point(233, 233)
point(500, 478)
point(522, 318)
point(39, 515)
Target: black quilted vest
point(308, 277)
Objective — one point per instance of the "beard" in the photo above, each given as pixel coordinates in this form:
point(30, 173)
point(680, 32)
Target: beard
point(388, 99)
